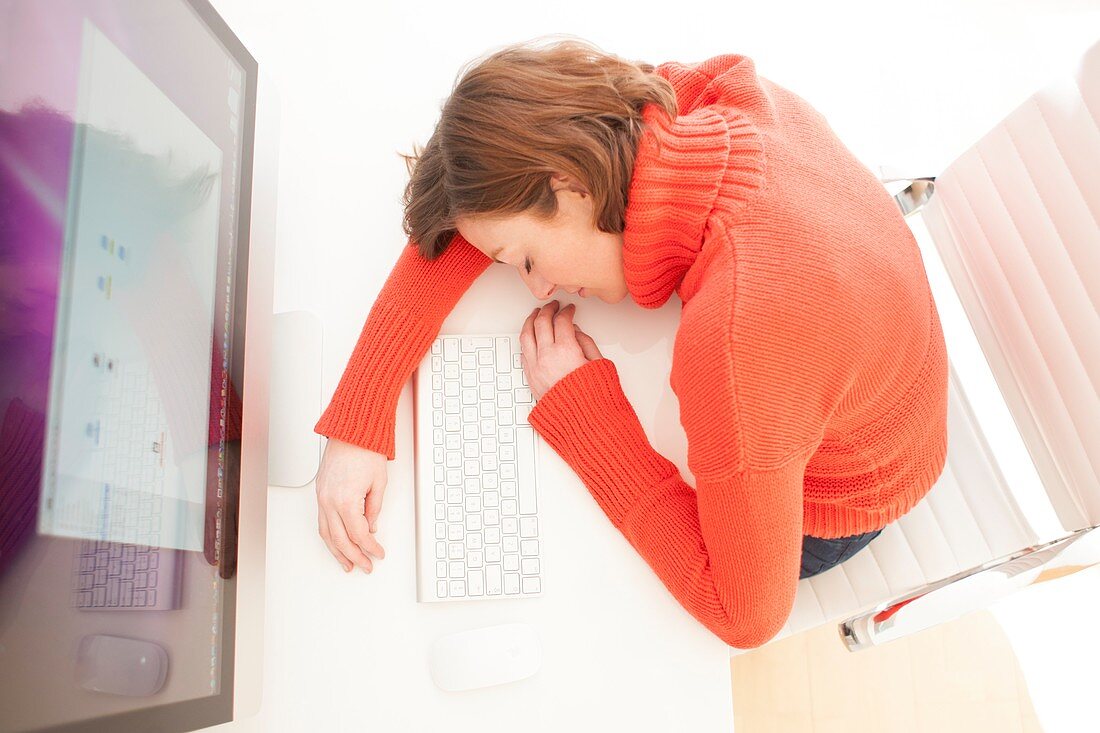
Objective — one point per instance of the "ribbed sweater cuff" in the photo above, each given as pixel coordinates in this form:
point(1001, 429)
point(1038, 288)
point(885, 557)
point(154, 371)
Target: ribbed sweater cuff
point(364, 406)
point(587, 420)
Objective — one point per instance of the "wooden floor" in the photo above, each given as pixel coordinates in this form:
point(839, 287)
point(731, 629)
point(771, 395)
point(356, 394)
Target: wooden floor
point(960, 676)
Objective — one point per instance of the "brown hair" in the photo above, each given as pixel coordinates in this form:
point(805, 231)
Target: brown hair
point(519, 116)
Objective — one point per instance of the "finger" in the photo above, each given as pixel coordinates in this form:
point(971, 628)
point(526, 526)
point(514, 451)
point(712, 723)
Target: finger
point(374, 505)
point(563, 323)
point(528, 346)
point(544, 324)
point(358, 530)
point(588, 345)
point(322, 529)
point(344, 544)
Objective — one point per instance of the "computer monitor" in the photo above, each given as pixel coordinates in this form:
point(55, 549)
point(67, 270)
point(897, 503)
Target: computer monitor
point(128, 421)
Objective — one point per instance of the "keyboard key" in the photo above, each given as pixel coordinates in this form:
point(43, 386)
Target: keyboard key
point(440, 530)
point(454, 495)
point(473, 540)
point(454, 513)
point(511, 583)
point(529, 548)
point(441, 568)
point(507, 488)
point(484, 357)
point(529, 566)
point(492, 553)
point(437, 346)
point(528, 527)
point(473, 504)
point(511, 562)
point(492, 498)
point(437, 361)
point(504, 400)
point(440, 511)
point(473, 485)
point(504, 353)
point(457, 569)
point(532, 584)
point(468, 361)
point(440, 550)
point(458, 588)
point(475, 559)
point(507, 452)
point(450, 389)
point(504, 382)
point(450, 349)
point(440, 492)
point(492, 535)
point(509, 507)
point(523, 394)
point(469, 379)
point(525, 460)
point(473, 522)
point(516, 363)
point(455, 551)
point(454, 532)
point(509, 525)
point(441, 589)
point(491, 516)
point(453, 441)
point(451, 371)
point(493, 577)
point(476, 581)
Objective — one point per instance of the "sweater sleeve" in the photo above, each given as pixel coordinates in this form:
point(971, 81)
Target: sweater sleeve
point(729, 551)
point(402, 323)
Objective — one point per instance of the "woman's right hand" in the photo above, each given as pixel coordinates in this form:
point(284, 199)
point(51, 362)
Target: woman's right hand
point(350, 484)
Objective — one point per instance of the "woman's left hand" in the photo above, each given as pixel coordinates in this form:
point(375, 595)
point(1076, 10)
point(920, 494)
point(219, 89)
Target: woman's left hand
point(552, 346)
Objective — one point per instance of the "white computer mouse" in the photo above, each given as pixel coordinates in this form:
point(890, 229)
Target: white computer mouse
point(491, 655)
point(120, 666)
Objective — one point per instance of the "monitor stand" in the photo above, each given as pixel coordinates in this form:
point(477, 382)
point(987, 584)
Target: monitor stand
point(294, 450)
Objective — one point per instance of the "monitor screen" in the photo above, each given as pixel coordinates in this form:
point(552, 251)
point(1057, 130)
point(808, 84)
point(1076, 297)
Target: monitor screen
point(125, 179)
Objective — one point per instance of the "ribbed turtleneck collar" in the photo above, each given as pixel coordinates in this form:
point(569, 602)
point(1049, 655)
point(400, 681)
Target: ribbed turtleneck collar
point(709, 157)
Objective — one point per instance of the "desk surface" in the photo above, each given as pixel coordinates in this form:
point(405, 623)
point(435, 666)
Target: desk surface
point(618, 651)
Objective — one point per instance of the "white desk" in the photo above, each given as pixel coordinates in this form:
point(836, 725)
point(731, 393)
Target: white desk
point(350, 651)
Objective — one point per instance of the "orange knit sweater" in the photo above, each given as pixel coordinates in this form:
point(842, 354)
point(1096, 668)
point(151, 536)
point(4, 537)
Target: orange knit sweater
point(809, 364)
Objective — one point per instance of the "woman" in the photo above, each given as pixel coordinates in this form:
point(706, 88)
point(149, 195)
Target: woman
point(809, 364)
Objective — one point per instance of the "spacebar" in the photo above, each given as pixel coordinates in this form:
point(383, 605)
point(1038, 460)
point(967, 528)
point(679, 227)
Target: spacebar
point(525, 462)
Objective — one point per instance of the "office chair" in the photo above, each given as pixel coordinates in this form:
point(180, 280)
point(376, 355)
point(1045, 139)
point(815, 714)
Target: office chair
point(1016, 222)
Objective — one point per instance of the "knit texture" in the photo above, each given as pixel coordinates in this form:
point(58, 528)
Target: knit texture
point(809, 364)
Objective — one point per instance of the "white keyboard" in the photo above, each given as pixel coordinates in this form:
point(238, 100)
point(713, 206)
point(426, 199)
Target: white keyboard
point(477, 522)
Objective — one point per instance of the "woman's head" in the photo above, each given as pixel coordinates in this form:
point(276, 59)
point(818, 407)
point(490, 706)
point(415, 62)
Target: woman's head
point(533, 155)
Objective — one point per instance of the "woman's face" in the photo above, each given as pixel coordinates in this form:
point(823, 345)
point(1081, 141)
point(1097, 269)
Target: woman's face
point(567, 253)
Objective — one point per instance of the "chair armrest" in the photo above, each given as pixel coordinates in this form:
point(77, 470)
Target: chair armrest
point(970, 590)
point(913, 191)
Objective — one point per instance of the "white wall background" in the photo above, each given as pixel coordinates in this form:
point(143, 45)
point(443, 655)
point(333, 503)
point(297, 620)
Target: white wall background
point(904, 84)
